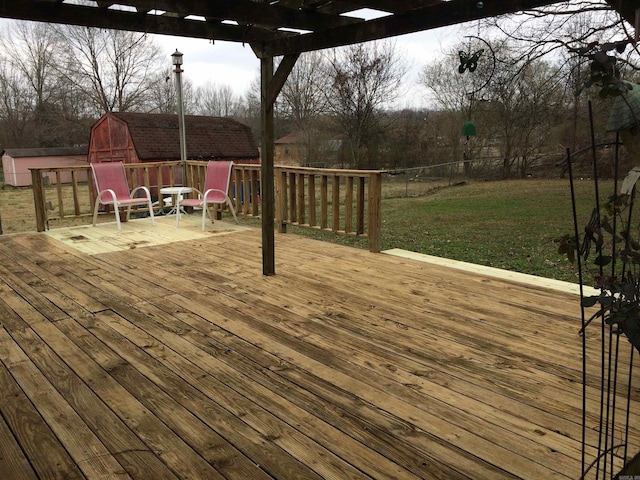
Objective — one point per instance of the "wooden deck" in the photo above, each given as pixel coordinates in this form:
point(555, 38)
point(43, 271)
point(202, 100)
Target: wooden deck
point(182, 361)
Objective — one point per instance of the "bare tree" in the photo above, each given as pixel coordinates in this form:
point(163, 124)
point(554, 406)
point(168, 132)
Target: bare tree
point(15, 108)
point(162, 93)
point(113, 68)
point(161, 96)
point(303, 105)
point(32, 48)
point(568, 30)
point(558, 27)
point(527, 109)
point(457, 96)
point(216, 100)
point(360, 81)
point(518, 108)
point(41, 109)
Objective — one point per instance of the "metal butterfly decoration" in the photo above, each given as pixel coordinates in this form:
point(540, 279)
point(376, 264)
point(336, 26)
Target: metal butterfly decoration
point(469, 62)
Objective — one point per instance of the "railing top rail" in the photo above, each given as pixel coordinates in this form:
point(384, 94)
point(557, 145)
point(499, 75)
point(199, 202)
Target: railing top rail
point(152, 164)
point(60, 169)
point(204, 162)
point(330, 171)
point(87, 166)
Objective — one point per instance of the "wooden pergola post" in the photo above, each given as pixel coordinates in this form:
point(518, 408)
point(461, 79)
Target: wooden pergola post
point(267, 171)
point(270, 86)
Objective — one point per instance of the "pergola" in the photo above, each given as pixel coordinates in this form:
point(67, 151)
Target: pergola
point(275, 28)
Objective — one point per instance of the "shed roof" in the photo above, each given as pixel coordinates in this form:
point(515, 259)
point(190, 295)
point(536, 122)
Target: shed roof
point(45, 152)
point(156, 136)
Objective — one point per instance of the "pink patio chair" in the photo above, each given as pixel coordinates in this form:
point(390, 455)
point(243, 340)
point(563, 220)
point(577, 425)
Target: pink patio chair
point(112, 187)
point(216, 186)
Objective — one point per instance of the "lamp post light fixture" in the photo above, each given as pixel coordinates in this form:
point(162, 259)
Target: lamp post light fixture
point(176, 58)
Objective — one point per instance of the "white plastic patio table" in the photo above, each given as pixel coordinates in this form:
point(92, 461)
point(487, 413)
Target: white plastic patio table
point(175, 193)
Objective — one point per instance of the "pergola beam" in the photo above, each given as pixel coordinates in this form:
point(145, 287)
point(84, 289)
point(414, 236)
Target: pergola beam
point(44, 11)
point(426, 18)
point(628, 9)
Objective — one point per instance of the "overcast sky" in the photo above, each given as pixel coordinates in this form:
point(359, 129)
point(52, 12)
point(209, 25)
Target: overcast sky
point(227, 63)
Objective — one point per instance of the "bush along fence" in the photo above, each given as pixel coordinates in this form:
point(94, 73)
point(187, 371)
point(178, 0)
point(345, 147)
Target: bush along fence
point(345, 202)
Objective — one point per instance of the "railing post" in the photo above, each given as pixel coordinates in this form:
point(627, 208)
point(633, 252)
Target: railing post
point(375, 205)
point(39, 200)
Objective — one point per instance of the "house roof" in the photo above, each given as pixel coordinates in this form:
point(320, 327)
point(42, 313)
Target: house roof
point(290, 139)
point(155, 136)
point(45, 152)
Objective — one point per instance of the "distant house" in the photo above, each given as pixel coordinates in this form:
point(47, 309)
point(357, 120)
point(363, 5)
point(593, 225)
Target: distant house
point(320, 151)
point(290, 150)
point(17, 161)
point(146, 137)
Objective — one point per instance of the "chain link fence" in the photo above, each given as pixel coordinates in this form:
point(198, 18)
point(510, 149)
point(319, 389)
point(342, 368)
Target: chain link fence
point(419, 181)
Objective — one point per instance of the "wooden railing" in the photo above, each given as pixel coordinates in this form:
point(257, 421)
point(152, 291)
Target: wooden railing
point(339, 201)
point(344, 202)
point(52, 199)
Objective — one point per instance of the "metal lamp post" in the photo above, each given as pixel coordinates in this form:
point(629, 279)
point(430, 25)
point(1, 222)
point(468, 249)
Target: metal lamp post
point(177, 64)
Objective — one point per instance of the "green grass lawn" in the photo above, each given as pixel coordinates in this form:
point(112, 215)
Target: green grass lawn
point(507, 224)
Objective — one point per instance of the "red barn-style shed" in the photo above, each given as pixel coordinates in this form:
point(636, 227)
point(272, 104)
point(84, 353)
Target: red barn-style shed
point(146, 137)
point(132, 137)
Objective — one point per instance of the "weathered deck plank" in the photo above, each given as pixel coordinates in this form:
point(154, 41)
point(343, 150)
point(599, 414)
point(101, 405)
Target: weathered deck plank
point(183, 361)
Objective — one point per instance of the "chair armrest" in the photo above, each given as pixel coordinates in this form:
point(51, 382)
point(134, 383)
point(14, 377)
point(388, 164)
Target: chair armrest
point(113, 196)
point(214, 190)
point(143, 188)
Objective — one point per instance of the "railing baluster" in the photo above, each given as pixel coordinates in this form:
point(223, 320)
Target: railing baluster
point(255, 193)
point(300, 193)
point(293, 211)
point(245, 192)
point(348, 206)
point(360, 207)
point(281, 199)
point(76, 198)
point(59, 194)
point(312, 200)
point(324, 186)
point(335, 199)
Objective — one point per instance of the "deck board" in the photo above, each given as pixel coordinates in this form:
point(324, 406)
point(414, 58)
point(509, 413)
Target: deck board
point(181, 360)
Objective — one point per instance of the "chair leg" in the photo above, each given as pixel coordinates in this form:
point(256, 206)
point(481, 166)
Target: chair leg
point(204, 215)
point(95, 212)
point(153, 220)
point(233, 210)
point(116, 207)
